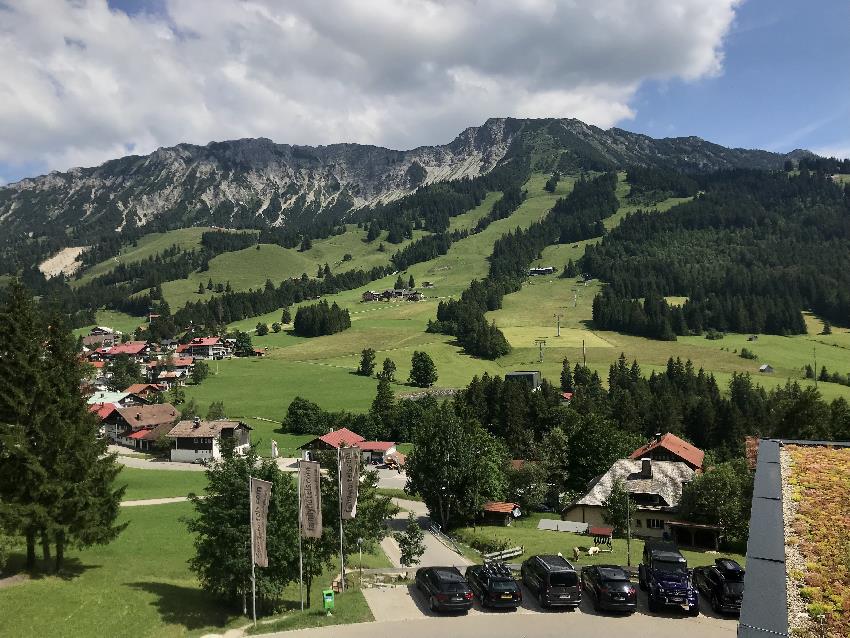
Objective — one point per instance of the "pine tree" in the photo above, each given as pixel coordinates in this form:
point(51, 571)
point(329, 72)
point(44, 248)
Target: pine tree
point(423, 372)
point(22, 399)
point(566, 377)
point(399, 283)
point(200, 288)
point(286, 317)
point(383, 406)
point(210, 284)
point(388, 370)
point(411, 283)
point(367, 362)
point(83, 505)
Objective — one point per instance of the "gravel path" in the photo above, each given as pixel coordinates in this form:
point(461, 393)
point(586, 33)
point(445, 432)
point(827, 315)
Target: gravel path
point(155, 501)
point(436, 554)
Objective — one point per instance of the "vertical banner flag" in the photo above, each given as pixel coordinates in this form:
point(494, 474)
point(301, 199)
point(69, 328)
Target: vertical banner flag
point(349, 481)
point(260, 494)
point(311, 500)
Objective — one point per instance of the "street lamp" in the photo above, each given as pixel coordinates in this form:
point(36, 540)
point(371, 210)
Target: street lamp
point(628, 529)
point(360, 547)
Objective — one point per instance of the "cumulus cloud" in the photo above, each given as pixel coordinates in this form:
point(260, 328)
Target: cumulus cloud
point(83, 81)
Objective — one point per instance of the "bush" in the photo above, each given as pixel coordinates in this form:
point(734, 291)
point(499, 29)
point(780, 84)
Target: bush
point(713, 335)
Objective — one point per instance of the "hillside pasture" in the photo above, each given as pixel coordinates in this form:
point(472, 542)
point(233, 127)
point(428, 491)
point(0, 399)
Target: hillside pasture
point(147, 246)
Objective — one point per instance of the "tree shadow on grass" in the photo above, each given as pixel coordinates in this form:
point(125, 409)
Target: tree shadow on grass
point(188, 607)
point(72, 568)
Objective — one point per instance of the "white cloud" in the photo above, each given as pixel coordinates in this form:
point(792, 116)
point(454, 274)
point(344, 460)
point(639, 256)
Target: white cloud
point(840, 150)
point(81, 83)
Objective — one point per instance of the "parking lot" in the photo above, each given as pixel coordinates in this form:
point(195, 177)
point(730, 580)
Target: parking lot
point(402, 604)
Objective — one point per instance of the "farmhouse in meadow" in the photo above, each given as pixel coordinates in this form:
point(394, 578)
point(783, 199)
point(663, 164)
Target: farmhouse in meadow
point(205, 348)
point(655, 488)
point(198, 440)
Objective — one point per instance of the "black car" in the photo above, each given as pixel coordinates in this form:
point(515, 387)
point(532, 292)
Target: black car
point(664, 574)
point(445, 588)
point(610, 587)
point(494, 585)
point(722, 583)
point(553, 580)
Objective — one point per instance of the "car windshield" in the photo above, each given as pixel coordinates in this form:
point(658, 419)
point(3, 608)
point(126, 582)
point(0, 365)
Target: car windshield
point(612, 574)
point(563, 579)
point(671, 567)
point(733, 589)
point(503, 584)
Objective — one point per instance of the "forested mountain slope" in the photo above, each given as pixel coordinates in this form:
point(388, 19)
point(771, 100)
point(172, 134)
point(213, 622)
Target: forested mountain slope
point(258, 183)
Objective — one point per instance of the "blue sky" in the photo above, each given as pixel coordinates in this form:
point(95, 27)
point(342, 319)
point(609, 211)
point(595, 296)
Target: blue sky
point(785, 83)
point(92, 80)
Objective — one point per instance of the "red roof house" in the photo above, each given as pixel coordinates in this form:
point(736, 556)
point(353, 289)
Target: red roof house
point(131, 348)
point(102, 410)
point(205, 348)
point(671, 448)
point(500, 512)
point(337, 439)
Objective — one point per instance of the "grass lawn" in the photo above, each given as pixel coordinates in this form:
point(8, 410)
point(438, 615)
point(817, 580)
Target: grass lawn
point(112, 319)
point(349, 607)
point(524, 532)
point(140, 585)
point(144, 484)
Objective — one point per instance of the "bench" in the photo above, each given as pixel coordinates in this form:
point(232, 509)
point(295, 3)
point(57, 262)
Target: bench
point(512, 552)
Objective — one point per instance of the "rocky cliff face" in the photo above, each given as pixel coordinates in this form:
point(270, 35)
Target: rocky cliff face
point(257, 182)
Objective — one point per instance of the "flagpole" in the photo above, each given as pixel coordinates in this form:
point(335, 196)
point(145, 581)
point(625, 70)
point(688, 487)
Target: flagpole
point(339, 490)
point(253, 573)
point(300, 555)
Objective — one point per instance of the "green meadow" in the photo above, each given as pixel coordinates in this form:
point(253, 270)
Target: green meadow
point(322, 369)
point(140, 585)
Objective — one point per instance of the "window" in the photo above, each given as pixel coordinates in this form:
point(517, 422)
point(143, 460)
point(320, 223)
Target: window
point(654, 523)
point(638, 522)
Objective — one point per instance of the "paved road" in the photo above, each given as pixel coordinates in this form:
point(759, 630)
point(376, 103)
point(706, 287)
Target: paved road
point(526, 622)
point(155, 501)
point(435, 552)
point(386, 478)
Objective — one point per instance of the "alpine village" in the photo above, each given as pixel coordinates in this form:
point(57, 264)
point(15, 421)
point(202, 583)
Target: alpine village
point(550, 378)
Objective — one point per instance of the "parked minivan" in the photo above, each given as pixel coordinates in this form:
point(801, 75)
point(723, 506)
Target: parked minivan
point(553, 580)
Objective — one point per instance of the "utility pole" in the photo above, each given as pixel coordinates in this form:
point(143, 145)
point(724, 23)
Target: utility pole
point(583, 354)
point(628, 530)
point(558, 317)
point(540, 343)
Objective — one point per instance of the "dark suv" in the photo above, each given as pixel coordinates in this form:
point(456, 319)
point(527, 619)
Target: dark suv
point(722, 583)
point(494, 585)
point(445, 588)
point(610, 588)
point(553, 580)
point(664, 575)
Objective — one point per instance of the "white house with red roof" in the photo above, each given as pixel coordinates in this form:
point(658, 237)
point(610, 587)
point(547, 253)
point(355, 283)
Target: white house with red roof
point(373, 451)
point(671, 448)
point(205, 348)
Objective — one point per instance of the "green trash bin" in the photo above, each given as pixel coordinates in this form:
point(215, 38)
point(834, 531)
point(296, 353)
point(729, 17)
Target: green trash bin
point(328, 598)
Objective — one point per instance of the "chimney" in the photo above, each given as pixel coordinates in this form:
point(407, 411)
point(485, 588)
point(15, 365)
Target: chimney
point(196, 422)
point(646, 468)
point(138, 416)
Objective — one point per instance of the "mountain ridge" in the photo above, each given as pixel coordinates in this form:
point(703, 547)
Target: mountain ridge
point(256, 182)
